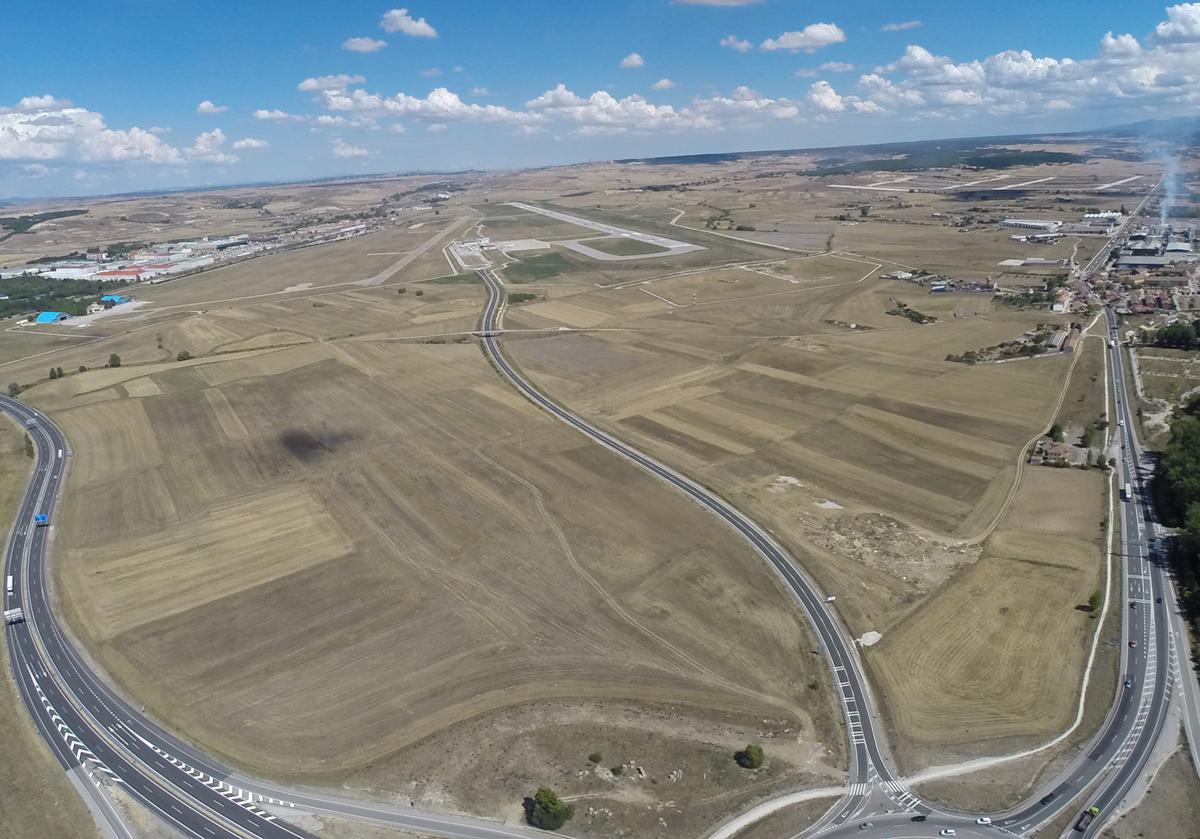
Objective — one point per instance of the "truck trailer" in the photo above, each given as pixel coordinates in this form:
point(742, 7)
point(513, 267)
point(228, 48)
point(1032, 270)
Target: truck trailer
point(1086, 818)
point(14, 615)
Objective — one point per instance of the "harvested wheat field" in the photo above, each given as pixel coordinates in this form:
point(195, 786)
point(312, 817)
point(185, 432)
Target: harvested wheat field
point(984, 660)
point(313, 558)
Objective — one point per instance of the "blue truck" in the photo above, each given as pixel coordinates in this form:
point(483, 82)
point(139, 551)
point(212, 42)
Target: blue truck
point(41, 520)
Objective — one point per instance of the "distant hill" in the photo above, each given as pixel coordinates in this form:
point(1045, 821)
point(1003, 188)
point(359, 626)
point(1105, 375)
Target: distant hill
point(977, 152)
point(1179, 129)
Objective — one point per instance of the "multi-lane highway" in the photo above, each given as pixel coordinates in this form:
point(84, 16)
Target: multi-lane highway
point(84, 722)
point(1105, 768)
point(96, 733)
point(111, 744)
point(1112, 759)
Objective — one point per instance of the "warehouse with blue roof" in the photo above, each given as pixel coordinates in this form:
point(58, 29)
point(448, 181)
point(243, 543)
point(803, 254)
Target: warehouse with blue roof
point(50, 317)
point(114, 298)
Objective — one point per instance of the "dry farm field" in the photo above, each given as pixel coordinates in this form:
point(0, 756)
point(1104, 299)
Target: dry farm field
point(971, 665)
point(308, 525)
point(332, 541)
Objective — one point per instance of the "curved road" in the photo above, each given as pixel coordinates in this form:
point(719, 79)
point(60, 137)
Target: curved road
point(96, 734)
point(871, 776)
point(105, 742)
point(1106, 767)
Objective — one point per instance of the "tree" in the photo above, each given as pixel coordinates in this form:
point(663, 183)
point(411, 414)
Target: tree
point(28, 446)
point(864, 211)
point(547, 811)
point(13, 388)
point(402, 290)
point(59, 370)
point(114, 360)
point(1095, 601)
point(53, 374)
point(750, 757)
point(82, 368)
point(595, 757)
point(182, 355)
point(1057, 434)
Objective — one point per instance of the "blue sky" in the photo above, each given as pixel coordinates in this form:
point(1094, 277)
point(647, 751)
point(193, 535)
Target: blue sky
point(107, 96)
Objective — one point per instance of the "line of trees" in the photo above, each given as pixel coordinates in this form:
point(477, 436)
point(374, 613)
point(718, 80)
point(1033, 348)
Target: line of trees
point(1180, 335)
point(1176, 491)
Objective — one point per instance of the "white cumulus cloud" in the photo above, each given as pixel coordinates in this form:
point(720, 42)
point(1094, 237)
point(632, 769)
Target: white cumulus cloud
point(209, 148)
point(1182, 24)
point(399, 20)
point(810, 38)
point(663, 84)
point(363, 44)
point(824, 98)
point(441, 105)
point(736, 44)
point(633, 61)
point(343, 150)
point(900, 26)
point(250, 143)
point(42, 128)
point(340, 81)
point(836, 67)
point(207, 107)
point(274, 115)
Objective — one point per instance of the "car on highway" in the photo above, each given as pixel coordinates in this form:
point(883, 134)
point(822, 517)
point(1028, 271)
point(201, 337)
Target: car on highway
point(866, 825)
point(1046, 799)
point(919, 818)
point(1133, 643)
point(984, 820)
point(948, 831)
point(1129, 683)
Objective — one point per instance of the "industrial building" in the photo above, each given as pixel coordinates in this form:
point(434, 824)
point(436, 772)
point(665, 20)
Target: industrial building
point(1044, 225)
point(50, 317)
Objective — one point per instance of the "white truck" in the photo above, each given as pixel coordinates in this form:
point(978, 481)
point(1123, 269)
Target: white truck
point(14, 615)
point(9, 586)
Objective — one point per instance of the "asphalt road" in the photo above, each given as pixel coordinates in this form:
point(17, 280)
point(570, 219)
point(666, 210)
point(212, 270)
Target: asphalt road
point(89, 727)
point(1114, 756)
point(872, 781)
point(1111, 761)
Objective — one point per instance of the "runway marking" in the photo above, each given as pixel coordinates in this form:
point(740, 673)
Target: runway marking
point(1024, 183)
point(1103, 187)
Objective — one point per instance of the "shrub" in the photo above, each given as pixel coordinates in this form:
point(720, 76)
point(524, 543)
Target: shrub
point(114, 360)
point(595, 757)
point(182, 355)
point(547, 811)
point(750, 757)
